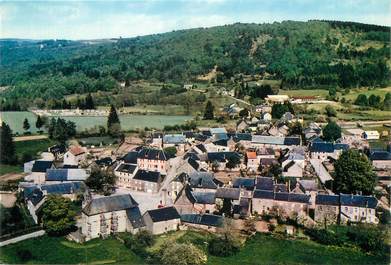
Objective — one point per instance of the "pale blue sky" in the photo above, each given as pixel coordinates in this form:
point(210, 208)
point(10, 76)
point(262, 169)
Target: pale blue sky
point(110, 19)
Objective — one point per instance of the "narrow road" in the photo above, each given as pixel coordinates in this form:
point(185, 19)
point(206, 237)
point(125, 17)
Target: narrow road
point(240, 100)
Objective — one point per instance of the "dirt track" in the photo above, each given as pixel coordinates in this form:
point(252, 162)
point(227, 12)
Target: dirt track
point(30, 137)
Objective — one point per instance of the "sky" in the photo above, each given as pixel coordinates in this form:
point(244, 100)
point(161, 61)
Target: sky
point(112, 19)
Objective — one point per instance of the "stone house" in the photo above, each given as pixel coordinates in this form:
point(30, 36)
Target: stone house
point(107, 215)
point(358, 209)
point(190, 201)
point(162, 220)
point(153, 160)
point(286, 204)
point(345, 208)
point(146, 181)
point(323, 150)
point(125, 173)
point(326, 209)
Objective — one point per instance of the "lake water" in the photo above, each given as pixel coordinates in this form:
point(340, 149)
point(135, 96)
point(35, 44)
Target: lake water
point(128, 122)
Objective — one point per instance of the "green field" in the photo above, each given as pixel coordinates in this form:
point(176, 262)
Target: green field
point(266, 249)
point(305, 92)
point(376, 91)
point(128, 122)
point(33, 147)
point(52, 250)
point(5, 169)
point(261, 249)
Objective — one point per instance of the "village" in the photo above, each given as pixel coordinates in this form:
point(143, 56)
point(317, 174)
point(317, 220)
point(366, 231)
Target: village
point(196, 179)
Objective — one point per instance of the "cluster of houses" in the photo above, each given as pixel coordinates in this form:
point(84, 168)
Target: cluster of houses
point(214, 174)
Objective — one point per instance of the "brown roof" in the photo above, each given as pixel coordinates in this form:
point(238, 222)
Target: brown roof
point(77, 150)
point(251, 155)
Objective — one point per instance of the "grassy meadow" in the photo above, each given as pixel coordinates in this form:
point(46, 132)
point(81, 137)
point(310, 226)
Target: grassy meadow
point(260, 249)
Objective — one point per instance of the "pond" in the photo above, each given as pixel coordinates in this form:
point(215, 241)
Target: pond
point(128, 121)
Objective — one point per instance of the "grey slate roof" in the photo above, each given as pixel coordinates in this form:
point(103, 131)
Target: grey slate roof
point(247, 183)
point(131, 157)
point(358, 201)
point(135, 217)
point(327, 147)
point(221, 156)
point(126, 168)
point(163, 214)
point(263, 194)
point(66, 174)
point(109, 204)
point(380, 155)
point(64, 188)
point(41, 166)
point(204, 197)
point(228, 193)
point(150, 176)
point(33, 193)
point(205, 219)
point(174, 139)
point(153, 154)
point(281, 196)
point(325, 199)
point(202, 180)
point(264, 183)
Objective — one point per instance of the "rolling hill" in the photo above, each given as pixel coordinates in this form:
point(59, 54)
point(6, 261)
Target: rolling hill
point(309, 54)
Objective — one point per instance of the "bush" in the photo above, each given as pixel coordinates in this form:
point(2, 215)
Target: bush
point(24, 255)
point(369, 239)
point(139, 242)
point(324, 236)
point(223, 247)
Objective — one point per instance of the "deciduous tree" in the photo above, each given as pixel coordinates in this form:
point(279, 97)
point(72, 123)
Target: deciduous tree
point(354, 173)
point(58, 218)
point(331, 131)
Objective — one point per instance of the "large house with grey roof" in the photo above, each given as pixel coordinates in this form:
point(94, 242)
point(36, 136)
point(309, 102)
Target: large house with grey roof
point(107, 215)
point(322, 150)
point(153, 160)
point(65, 174)
point(345, 208)
point(285, 203)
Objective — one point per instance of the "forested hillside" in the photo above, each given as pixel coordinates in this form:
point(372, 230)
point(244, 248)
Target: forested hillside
point(300, 54)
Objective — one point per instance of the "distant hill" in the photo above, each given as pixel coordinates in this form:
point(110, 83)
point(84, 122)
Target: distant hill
point(300, 54)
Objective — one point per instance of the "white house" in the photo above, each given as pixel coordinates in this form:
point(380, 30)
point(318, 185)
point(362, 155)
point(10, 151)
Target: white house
point(371, 135)
point(38, 171)
point(357, 208)
point(162, 220)
point(75, 155)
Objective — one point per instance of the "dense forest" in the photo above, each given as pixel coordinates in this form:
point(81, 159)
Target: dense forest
point(300, 54)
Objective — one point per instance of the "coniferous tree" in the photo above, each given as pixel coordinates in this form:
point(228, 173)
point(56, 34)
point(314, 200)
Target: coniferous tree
point(7, 146)
point(89, 103)
point(39, 123)
point(113, 122)
point(209, 115)
point(26, 124)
